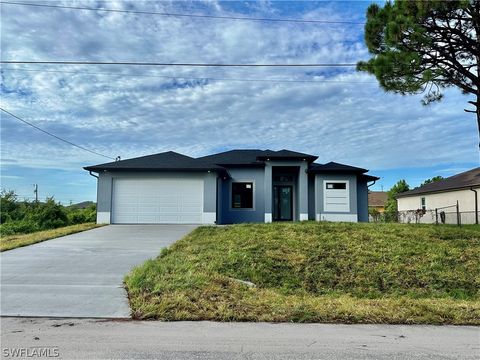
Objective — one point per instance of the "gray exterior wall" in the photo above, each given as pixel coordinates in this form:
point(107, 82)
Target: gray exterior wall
point(303, 191)
point(105, 189)
point(104, 192)
point(311, 197)
point(362, 204)
point(217, 193)
point(220, 200)
point(268, 193)
point(319, 194)
point(209, 192)
point(228, 215)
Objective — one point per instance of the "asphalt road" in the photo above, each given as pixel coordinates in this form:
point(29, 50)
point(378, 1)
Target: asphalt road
point(109, 339)
point(80, 275)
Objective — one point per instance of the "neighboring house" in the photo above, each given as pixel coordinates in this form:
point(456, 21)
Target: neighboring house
point(377, 200)
point(442, 195)
point(230, 187)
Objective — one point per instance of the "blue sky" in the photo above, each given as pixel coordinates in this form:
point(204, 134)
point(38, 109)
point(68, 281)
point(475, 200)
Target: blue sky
point(128, 111)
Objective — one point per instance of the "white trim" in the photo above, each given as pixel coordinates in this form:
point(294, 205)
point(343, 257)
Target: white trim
point(232, 181)
point(103, 217)
point(337, 217)
point(303, 217)
point(268, 217)
point(347, 190)
point(209, 217)
point(423, 203)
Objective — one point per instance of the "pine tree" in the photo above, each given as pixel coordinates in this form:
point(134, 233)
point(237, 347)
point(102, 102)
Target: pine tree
point(421, 46)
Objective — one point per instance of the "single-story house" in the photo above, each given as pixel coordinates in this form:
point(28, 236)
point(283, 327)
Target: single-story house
point(377, 200)
point(419, 204)
point(230, 187)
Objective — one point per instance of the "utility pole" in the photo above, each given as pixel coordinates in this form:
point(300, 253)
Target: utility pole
point(35, 191)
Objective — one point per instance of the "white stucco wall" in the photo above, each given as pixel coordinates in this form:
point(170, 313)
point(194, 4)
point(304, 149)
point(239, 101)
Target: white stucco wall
point(465, 198)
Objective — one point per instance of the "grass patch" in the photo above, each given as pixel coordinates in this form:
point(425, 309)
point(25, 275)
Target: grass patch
point(314, 272)
point(14, 241)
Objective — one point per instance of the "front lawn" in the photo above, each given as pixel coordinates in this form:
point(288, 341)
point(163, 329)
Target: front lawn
point(314, 272)
point(14, 241)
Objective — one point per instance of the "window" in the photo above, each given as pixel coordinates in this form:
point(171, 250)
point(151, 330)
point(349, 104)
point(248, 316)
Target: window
point(242, 195)
point(424, 204)
point(336, 185)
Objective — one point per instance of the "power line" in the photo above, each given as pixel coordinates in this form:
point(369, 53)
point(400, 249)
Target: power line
point(55, 136)
point(192, 78)
point(139, 12)
point(133, 63)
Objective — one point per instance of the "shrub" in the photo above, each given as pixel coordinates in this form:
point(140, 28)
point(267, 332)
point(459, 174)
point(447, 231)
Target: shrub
point(25, 217)
point(8, 205)
point(79, 216)
point(76, 217)
point(18, 227)
point(91, 213)
point(50, 215)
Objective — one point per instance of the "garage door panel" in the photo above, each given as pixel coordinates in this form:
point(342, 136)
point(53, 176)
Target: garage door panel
point(157, 201)
point(128, 209)
point(147, 219)
point(189, 209)
point(144, 209)
point(125, 219)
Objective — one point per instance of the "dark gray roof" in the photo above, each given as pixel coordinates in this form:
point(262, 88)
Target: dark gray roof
point(335, 167)
point(369, 178)
point(172, 161)
point(254, 157)
point(169, 160)
point(286, 154)
point(460, 181)
point(234, 157)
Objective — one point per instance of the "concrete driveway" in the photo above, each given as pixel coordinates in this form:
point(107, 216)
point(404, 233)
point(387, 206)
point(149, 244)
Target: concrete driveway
point(80, 275)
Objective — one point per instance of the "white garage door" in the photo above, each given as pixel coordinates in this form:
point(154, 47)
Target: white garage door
point(157, 201)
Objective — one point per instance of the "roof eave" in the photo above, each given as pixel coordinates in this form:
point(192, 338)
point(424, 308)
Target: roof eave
point(309, 159)
point(98, 170)
point(259, 164)
point(371, 177)
point(466, 187)
point(346, 171)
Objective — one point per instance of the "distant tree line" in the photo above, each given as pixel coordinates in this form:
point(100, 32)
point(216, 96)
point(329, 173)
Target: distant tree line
point(22, 216)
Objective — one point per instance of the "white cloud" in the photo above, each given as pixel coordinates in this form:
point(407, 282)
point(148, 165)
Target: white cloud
point(355, 122)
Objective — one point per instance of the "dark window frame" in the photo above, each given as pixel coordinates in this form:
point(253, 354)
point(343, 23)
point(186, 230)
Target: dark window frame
point(245, 204)
point(336, 185)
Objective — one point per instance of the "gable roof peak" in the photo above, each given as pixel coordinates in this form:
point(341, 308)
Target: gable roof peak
point(334, 166)
point(160, 161)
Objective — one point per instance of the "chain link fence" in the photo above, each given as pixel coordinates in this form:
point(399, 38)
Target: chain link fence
point(444, 215)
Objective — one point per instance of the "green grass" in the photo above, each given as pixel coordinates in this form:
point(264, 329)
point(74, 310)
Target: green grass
point(315, 272)
point(14, 241)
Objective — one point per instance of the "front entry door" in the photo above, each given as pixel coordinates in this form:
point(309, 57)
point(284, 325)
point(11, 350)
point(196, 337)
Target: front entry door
point(282, 203)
